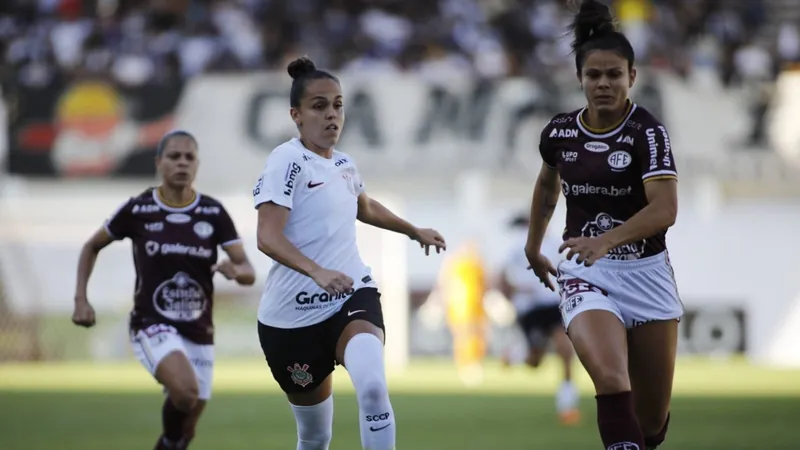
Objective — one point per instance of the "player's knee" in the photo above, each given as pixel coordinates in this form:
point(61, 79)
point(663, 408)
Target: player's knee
point(185, 397)
point(610, 380)
point(373, 392)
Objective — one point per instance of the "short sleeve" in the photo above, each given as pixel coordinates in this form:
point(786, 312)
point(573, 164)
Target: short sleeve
point(120, 225)
point(225, 231)
point(545, 149)
point(654, 152)
point(280, 179)
point(358, 182)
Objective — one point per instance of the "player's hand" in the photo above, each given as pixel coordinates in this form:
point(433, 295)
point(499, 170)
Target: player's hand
point(227, 268)
point(427, 238)
point(588, 250)
point(84, 314)
point(543, 268)
point(332, 281)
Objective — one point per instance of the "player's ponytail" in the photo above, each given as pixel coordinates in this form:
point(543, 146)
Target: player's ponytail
point(303, 70)
point(594, 28)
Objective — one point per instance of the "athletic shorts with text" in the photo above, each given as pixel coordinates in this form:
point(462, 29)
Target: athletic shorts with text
point(155, 342)
point(637, 291)
point(301, 358)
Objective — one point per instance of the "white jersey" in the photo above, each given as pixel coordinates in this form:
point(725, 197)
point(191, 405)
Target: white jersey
point(322, 195)
point(528, 291)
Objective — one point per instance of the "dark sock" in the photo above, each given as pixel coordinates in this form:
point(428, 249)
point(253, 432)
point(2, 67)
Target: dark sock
point(173, 421)
point(616, 419)
point(162, 444)
point(165, 444)
point(652, 442)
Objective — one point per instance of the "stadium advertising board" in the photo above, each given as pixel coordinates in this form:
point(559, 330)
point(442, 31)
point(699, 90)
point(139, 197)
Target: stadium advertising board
point(89, 128)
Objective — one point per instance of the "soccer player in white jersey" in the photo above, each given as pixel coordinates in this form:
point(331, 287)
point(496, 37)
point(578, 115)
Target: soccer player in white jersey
point(538, 316)
point(321, 306)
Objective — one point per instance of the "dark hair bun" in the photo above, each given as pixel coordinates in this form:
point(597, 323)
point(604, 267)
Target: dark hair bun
point(301, 66)
point(593, 19)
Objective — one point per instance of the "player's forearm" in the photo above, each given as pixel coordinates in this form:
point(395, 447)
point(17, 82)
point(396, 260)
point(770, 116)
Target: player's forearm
point(650, 220)
point(245, 274)
point(276, 246)
point(380, 216)
point(86, 262)
point(545, 199)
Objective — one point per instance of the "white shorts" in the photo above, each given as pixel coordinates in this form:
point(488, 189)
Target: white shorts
point(155, 342)
point(637, 291)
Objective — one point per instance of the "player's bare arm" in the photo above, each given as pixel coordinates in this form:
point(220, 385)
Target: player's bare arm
point(84, 313)
point(545, 199)
point(372, 212)
point(657, 216)
point(272, 242)
point(237, 267)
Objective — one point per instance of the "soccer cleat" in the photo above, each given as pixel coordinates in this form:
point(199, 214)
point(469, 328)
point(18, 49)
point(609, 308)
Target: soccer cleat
point(570, 417)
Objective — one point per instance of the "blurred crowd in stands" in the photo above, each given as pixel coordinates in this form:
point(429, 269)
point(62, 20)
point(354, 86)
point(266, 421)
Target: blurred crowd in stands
point(140, 41)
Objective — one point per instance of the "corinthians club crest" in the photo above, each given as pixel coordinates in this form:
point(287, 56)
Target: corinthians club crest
point(300, 374)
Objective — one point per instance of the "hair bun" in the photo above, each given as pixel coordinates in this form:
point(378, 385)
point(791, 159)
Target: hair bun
point(593, 18)
point(301, 66)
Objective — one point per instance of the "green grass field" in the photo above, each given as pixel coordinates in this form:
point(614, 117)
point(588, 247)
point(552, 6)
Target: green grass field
point(718, 405)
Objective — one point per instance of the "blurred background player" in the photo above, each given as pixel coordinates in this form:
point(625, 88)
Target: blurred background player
point(538, 317)
point(320, 306)
point(175, 232)
point(462, 286)
point(613, 161)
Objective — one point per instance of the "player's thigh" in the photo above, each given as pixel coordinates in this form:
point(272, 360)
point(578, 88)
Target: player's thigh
point(600, 341)
point(361, 313)
point(652, 349)
point(592, 318)
point(561, 342)
point(301, 361)
point(201, 357)
point(161, 351)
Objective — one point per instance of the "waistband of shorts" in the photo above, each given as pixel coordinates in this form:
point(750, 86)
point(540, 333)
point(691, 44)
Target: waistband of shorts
point(628, 264)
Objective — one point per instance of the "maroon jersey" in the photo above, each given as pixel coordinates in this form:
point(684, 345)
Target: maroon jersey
point(173, 251)
point(603, 173)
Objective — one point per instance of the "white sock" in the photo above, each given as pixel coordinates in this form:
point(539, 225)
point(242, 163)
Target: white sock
point(363, 359)
point(566, 397)
point(314, 425)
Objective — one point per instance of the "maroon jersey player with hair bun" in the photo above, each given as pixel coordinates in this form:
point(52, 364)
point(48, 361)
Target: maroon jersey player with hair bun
point(175, 232)
point(613, 162)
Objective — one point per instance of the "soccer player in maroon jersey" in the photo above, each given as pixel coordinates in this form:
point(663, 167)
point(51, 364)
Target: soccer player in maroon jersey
point(175, 232)
point(620, 306)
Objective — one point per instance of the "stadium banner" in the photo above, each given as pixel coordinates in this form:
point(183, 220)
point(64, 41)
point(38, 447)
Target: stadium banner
point(88, 128)
point(398, 124)
point(395, 124)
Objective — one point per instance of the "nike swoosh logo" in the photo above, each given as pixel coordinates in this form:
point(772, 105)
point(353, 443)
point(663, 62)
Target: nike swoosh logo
point(313, 185)
point(350, 313)
point(379, 429)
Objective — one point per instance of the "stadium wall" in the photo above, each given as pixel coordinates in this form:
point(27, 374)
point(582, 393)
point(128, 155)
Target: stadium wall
point(460, 158)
